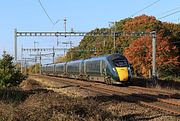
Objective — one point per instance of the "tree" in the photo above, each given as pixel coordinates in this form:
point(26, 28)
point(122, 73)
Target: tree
point(143, 23)
point(91, 45)
point(9, 75)
point(138, 49)
point(139, 53)
point(174, 30)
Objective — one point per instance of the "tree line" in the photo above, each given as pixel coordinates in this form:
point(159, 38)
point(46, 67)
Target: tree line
point(138, 49)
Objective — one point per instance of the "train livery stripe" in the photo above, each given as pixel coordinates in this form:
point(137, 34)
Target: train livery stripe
point(122, 73)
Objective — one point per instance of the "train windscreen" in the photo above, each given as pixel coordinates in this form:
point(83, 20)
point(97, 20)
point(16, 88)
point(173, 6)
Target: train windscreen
point(120, 63)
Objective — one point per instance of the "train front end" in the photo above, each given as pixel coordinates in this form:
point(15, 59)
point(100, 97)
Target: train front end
point(121, 67)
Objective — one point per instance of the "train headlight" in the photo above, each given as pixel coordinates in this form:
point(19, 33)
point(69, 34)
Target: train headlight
point(129, 70)
point(114, 69)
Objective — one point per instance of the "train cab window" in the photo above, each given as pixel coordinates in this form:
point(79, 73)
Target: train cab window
point(119, 63)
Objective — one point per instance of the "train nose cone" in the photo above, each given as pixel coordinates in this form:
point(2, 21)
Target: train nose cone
point(122, 73)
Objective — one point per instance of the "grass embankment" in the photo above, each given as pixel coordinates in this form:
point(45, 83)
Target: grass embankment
point(161, 83)
point(33, 103)
point(30, 102)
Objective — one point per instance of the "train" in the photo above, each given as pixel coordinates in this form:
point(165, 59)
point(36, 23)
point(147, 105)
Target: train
point(112, 68)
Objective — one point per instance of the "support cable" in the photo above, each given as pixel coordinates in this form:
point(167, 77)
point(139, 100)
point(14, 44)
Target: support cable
point(46, 13)
point(145, 8)
point(169, 11)
point(169, 14)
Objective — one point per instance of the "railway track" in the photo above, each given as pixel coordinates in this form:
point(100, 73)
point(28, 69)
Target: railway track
point(160, 96)
point(132, 94)
point(163, 93)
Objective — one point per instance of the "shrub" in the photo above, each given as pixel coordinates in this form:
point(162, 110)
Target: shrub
point(9, 75)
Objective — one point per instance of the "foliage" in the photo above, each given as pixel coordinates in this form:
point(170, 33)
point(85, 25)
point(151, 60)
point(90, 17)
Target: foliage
point(168, 45)
point(92, 46)
point(60, 59)
point(174, 29)
point(9, 75)
point(140, 50)
point(139, 53)
point(143, 23)
point(32, 69)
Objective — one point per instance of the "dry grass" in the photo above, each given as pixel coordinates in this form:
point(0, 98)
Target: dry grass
point(32, 103)
point(48, 105)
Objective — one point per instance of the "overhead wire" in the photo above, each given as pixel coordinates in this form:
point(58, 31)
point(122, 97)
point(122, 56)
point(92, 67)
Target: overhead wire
point(169, 14)
point(145, 8)
point(46, 12)
point(51, 20)
point(170, 10)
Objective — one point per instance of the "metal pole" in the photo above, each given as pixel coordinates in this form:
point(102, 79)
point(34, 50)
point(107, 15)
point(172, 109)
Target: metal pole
point(154, 73)
point(64, 52)
point(35, 44)
point(35, 60)
point(22, 59)
point(40, 64)
point(25, 67)
point(104, 42)
point(15, 45)
point(114, 36)
point(53, 54)
point(65, 26)
point(70, 44)
point(71, 55)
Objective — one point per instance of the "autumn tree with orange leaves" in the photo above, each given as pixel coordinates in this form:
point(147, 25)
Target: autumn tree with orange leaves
point(139, 53)
point(138, 49)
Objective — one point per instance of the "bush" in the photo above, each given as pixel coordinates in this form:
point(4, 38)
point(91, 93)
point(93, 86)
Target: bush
point(9, 75)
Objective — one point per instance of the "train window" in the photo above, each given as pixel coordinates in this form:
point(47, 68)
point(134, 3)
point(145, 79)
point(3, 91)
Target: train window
point(93, 66)
point(120, 63)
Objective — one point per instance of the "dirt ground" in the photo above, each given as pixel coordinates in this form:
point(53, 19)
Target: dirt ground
point(42, 101)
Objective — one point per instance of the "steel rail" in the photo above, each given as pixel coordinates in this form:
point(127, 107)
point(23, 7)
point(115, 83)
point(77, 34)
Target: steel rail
point(152, 90)
point(157, 98)
point(127, 96)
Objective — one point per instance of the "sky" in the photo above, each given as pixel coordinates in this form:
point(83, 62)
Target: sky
point(81, 15)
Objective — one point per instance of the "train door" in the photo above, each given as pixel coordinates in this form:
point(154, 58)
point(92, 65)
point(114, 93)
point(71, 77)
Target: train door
point(81, 69)
point(103, 68)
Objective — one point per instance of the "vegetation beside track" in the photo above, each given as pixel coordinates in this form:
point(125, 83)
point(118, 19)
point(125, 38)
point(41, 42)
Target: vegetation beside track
point(9, 74)
point(167, 84)
point(138, 49)
point(31, 102)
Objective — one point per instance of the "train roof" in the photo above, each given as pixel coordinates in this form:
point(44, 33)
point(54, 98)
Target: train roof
point(75, 61)
point(109, 56)
point(61, 63)
point(115, 55)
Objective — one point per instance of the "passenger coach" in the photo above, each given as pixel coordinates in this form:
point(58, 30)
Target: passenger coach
point(109, 69)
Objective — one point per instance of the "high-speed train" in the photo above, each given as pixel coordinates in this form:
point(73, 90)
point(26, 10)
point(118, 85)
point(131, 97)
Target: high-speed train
point(109, 69)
